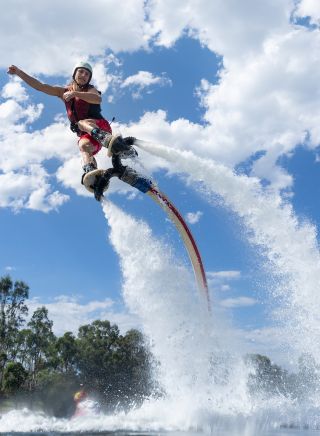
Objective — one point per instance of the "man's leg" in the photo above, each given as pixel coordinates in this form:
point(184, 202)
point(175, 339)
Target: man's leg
point(102, 136)
point(115, 144)
point(88, 161)
point(87, 125)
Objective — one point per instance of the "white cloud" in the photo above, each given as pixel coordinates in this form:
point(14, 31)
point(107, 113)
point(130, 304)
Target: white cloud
point(225, 288)
point(229, 275)
point(144, 80)
point(68, 313)
point(14, 90)
point(49, 42)
point(218, 280)
point(102, 78)
point(232, 303)
point(29, 189)
point(265, 98)
point(46, 201)
point(25, 183)
point(270, 341)
point(14, 116)
point(309, 8)
point(229, 28)
point(193, 217)
point(267, 103)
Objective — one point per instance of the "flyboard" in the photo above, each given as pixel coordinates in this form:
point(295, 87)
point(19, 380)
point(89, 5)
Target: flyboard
point(143, 184)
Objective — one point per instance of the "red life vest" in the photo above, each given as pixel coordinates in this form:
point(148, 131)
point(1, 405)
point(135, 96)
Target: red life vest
point(78, 109)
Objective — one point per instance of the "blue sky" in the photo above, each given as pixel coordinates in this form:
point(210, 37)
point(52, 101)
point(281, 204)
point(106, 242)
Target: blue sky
point(233, 84)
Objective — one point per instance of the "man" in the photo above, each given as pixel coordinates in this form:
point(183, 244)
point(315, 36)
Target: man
point(84, 406)
point(82, 101)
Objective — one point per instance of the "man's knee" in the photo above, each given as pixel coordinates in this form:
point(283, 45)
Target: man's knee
point(86, 125)
point(82, 125)
point(85, 147)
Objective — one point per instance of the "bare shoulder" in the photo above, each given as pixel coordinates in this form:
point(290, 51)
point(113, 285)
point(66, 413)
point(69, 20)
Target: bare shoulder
point(94, 90)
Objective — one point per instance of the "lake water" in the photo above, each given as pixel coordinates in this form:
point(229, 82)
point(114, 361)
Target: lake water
point(280, 432)
point(138, 423)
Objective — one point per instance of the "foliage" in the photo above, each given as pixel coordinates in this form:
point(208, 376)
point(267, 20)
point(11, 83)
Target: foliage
point(55, 391)
point(48, 370)
point(12, 311)
point(14, 376)
point(270, 379)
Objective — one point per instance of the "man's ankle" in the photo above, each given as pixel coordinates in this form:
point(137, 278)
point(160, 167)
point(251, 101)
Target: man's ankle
point(89, 167)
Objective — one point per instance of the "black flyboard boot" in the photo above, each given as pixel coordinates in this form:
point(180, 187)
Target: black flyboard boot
point(102, 183)
point(116, 144)
point(122, 147)
point(87, 168)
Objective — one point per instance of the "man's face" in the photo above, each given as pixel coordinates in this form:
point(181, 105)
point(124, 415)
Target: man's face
point(82, 76)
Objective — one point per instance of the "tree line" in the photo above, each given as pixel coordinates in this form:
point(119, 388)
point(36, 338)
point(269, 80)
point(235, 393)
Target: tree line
point(39, 369)
point(269, 379)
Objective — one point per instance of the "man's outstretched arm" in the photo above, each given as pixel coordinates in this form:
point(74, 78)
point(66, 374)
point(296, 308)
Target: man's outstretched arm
point(56, 91)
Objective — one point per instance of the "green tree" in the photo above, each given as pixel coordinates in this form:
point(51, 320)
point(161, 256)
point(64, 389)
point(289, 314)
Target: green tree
point(132, 364)
point(268, 377)
point(67, 352)
point(21, 349)
point(117, 367)
point(40, 340)
point(96, 343)
point(12, 315)
point(55, 390)
point(12, 311)
point(14, 377)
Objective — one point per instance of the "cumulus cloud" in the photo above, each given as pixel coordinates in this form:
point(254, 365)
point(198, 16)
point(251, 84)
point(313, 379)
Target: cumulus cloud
point(103, 78)
point(25, 182)
point(309, 8)
point(143, 80)
point(224, 274)
point(193, 217)
point(29, 189)
point(269, 104)
point(232, 303)
point(14, 90)
point(219, 280)
point(15, 117)
point(229, 28)
point(49, 42)
point(69, 313)
point(267, 107)
point(266, 98)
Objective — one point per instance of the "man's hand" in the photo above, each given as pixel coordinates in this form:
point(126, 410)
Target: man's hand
point(13, 70)
point(69, 95)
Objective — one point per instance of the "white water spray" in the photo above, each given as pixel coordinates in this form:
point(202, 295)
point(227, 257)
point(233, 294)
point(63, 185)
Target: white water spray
point(185, 338)
point(290, 246)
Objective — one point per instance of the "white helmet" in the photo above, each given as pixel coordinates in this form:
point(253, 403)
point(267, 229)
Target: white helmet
point(84, 65)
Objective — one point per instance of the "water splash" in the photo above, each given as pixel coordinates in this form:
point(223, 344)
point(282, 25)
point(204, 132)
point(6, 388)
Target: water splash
point(290, 246)
point(192, 347)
